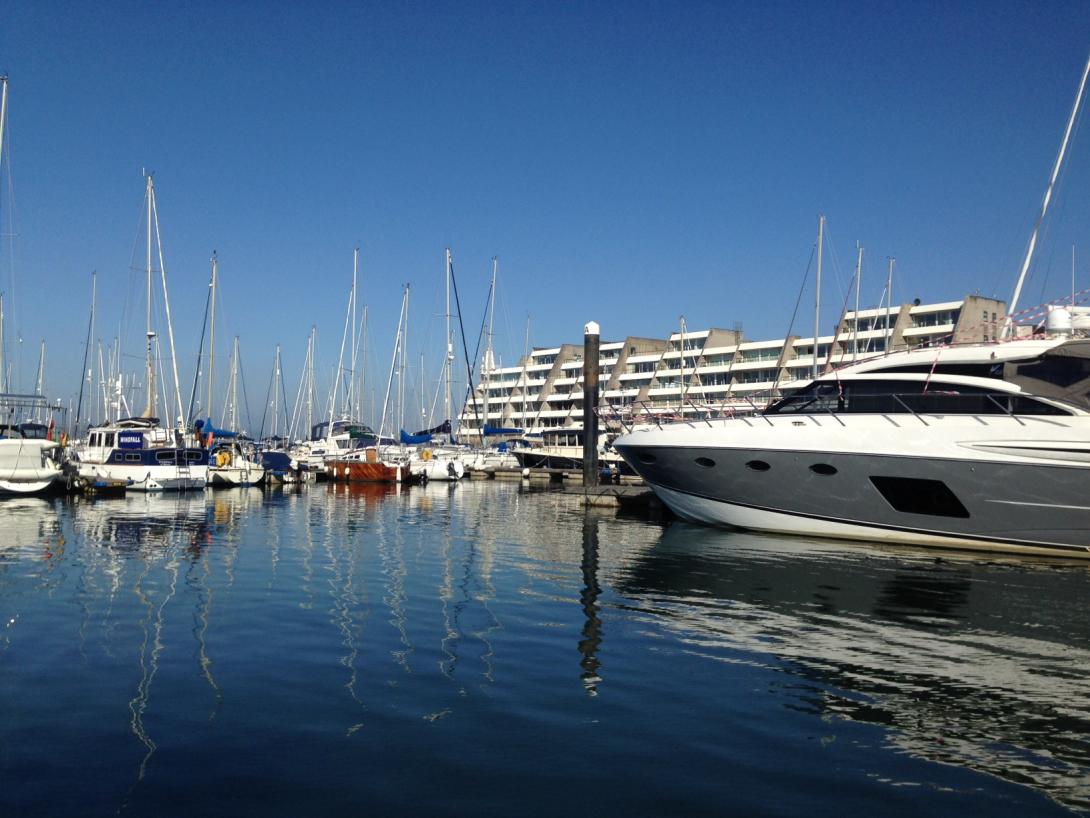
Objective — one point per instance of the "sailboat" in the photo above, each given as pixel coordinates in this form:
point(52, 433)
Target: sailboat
point(358, 456)
point(141, 451)
point(230, 463)
point(440, 462)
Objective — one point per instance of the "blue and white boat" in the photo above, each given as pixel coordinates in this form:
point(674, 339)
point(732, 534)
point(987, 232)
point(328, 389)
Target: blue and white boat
point(144, 455)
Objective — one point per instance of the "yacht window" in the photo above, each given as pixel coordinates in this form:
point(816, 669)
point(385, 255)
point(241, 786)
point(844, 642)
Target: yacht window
point(706, 462)
point(117, 457)
point(915, 496)
point(1057, 371)
point(109, 440)
point(165, 457)
point(758, 465)
point(131, 457)
point(646, 457)
point(823, 469)
point(193, 456)
point(906, 397)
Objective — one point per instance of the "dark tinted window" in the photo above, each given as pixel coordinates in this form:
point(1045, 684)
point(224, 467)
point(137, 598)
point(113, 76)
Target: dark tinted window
point(916, 496)
point(901, 397)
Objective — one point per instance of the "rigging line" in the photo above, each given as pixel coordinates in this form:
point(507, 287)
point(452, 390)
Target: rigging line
point(265, 410)
point(200, 355)
point(794, 314)
point(465, 350)
point(245, 399)
point(480, 335)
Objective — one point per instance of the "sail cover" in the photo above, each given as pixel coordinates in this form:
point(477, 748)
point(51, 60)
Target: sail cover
point(412, 440)
point(498, 430)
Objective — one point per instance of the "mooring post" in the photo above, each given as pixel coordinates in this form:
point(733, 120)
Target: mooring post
point(591, 334)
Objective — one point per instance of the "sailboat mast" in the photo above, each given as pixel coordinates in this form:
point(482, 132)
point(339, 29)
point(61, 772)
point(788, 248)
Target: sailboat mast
point(149, 373)
point(489, 362)
point(449, 362)
point(212, 336)
point(234, 387)
point(817, 291)
point(855, 323)
point(351, 396)
point(393, 361)
point(889, 302)
point(1009, 329)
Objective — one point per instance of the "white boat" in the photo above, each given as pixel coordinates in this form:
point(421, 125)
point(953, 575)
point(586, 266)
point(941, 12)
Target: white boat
point(230, 464)
point(981, 447)
point(29, 464)
point(140, 451)
point(143, 455)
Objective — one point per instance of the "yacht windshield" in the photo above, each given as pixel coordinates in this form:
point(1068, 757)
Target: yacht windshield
point(907, 397)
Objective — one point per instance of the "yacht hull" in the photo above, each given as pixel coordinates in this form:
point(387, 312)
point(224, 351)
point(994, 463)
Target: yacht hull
point(1034, 497)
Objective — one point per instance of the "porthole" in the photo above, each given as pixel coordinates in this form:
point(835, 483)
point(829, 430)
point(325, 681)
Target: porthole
point(706, 462)
point(823, 469)
point(758, 465)
point(646, 457)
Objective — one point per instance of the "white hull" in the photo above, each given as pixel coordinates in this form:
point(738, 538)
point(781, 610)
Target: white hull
point(722, 513)
point(147, 478)
point(438, 469)
point(249, 475)
point(27, 466)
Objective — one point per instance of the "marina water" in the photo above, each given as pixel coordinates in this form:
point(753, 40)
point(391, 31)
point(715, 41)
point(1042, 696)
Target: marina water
point(478, 649)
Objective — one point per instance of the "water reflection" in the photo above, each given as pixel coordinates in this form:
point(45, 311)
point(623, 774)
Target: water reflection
point(974, 664)
point(443, 628)
point(588, 599)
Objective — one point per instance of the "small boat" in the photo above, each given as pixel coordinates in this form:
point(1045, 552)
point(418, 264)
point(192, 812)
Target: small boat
point(230, 464)
point(365, 466)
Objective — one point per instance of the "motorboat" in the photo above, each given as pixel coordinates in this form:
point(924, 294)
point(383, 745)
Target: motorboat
point(30, 463)
point(143, 455)
point(985, 446)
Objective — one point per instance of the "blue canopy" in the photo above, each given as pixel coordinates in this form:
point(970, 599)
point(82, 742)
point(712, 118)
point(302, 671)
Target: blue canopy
point(412, 440)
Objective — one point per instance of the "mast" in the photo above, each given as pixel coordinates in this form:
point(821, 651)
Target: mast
point(393, 362)
point(489, 362)
point(681, 367)
point(889, 302)
point(351, 398)
point(170, 322)
point(858, 278)
point(449, 362)
point(310, 380)
point(149, 371)
point(340, 365)
point(817, 291)
point(212, 336)
point(276, 394)
point(1009, 328)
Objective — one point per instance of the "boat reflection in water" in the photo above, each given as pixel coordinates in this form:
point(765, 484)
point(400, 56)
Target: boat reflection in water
point(981, 665)
point(31, 528)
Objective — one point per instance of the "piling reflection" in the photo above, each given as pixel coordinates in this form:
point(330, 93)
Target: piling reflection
point(588, 600)
point(967, 663)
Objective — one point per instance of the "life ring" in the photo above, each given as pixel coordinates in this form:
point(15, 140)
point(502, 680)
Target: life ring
point(426, 454)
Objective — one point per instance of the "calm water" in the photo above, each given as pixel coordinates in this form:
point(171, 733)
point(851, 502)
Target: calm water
point(473, 650)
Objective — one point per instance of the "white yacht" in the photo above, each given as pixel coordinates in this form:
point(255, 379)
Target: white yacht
point(985, 446)
point(144, 455)
point(30, 463)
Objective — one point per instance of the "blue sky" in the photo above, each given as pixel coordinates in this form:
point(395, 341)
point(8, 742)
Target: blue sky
point(628, 162)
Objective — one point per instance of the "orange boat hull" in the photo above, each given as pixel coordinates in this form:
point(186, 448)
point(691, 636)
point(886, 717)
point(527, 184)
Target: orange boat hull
point(355, 471)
